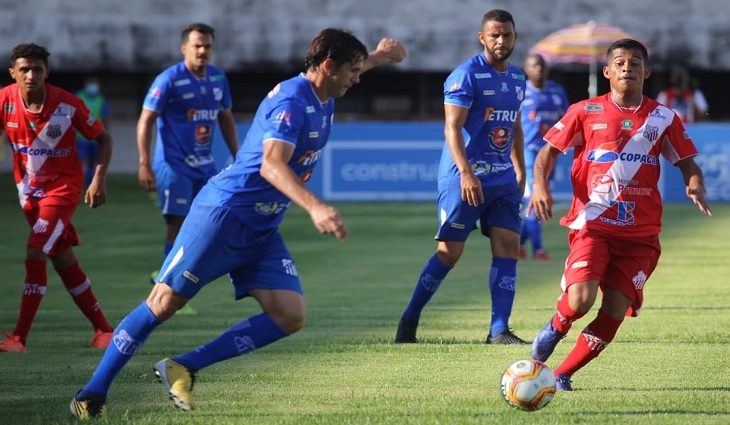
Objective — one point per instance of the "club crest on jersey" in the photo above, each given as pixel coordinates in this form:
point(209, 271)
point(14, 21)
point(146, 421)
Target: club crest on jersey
point(520, 93)
point(217, 94)
point(627, 125)
point(499, 138)
point(202, 133)
point(651, 133)
point(504, 88)
point(53, 130)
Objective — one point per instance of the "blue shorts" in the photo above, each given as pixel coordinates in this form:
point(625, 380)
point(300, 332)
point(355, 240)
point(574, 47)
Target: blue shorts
point(213, 242)
point(175, 191)
point(501, 208)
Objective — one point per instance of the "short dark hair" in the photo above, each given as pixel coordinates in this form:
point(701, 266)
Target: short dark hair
point(498, 15)
point(628, 44)
point(29, 51)
point(199, 27)
point(336, 44)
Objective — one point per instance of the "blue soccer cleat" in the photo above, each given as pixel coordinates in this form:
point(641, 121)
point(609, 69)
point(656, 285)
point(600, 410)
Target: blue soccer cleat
point(545, 342)
point(562, 383)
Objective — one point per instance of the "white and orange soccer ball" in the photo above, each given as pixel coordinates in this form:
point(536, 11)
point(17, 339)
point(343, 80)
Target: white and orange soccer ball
point(528, 385)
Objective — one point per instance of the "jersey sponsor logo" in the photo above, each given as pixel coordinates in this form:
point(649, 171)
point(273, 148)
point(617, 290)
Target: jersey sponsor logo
point(635, 191)
point(489, 92)
point(155, 92)
point(9, 108)
point(459, 226)
point(651, 133)
point(183, 82)
point(187, 96)
point(599, 126)
point(283, 117)
point(454, 87)
point(202, 114)
point(90, 121)
point(657, 113)
point(501, 115)
point(60, 111)
point(499, 138)
point(481, 75)
point(480, 168)
point(606, 152)
point(309, 157)
point(313, 134)
point(269, 208)
point(579, 265)
point(190, 276)
point(52, 153)
point(624, 214)
point(203, 133)
point(593, 108)
point(289, 267)
point(602, 183)
point(125, 343)
point(11, 124)
point(520, 77)
point(309, 109)
point(639, 280)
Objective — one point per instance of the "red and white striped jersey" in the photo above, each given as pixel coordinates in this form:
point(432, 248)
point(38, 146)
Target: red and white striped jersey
point(45, 162)
point(615, 169)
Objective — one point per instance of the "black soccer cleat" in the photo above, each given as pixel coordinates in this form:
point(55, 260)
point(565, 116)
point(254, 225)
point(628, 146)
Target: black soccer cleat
point(406, 333)
point(506, 337)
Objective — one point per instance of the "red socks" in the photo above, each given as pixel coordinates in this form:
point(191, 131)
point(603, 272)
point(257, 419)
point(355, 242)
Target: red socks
point(79, 286)
point(565, 316)
point(34, 288)
point(594, 338)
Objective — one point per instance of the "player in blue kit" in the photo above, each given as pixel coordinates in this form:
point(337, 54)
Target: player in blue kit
point(545, 102)
point(185, 101)
point(233, 224)
point(481, 175)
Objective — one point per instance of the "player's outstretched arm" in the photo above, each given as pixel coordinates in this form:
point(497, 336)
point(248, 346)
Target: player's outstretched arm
point(389, 50)
point(541, 200)
point(96, 193)
point(695, 184)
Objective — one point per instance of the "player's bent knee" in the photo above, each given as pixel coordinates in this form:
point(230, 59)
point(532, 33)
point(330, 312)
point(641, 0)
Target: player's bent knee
point(164, 302)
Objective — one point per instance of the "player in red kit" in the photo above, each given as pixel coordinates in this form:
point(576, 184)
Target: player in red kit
point(40, 122)
point(615, 216)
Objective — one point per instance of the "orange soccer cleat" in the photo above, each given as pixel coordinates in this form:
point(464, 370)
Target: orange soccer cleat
point(12, 344)
point(101, 339)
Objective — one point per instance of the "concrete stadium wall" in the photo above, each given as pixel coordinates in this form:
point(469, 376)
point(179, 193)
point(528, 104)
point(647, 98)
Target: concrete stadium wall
point(140, 35)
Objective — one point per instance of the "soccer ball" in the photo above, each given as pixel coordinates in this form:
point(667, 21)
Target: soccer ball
point(528, 385)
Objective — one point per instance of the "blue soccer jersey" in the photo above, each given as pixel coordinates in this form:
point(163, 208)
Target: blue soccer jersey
point(493, 99)
point(188, 108)
point(541, 109)
point(291, 113)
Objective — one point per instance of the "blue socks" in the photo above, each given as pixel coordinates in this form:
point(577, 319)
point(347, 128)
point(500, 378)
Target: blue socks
point(432, 275)
point(532, 229)
point(241, 338)
point(502, 281)
point(131, 333)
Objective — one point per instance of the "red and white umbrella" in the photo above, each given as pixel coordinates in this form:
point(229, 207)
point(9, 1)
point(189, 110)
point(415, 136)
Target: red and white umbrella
point(581, 43)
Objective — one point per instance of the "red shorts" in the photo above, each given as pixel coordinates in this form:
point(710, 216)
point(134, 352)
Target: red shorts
point(51, 228)
point(624, 264)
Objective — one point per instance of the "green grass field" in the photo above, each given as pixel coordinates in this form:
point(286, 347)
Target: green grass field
point(669, 366)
